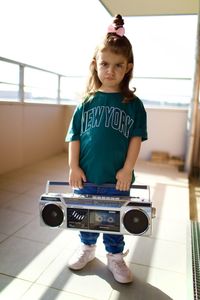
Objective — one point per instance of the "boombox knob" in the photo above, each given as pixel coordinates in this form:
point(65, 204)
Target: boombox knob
point(153, 212)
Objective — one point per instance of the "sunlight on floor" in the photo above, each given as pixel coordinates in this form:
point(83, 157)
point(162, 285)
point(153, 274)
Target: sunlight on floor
point(34, 257)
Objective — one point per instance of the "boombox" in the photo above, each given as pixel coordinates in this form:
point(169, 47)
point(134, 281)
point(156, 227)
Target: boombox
point(98, 213)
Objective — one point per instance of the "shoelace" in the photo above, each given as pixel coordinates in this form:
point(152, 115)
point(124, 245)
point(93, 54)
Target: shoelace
point(126, 253)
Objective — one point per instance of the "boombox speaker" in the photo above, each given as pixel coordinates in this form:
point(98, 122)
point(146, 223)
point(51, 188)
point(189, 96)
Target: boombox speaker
point(98, 213)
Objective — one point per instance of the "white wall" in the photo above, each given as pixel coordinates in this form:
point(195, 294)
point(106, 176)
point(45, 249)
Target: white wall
point(166, 132)
point(32, 132)
point(29, 133)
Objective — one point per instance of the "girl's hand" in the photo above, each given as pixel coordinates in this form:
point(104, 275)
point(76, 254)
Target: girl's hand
point(124, 179)
point(76, 177)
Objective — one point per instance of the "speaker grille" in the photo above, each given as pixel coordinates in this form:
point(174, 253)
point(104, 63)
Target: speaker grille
point(136, 221)
point(53, 215)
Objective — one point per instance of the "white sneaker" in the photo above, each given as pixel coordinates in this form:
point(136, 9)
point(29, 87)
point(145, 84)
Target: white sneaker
point(82, 257)
point(118, 267)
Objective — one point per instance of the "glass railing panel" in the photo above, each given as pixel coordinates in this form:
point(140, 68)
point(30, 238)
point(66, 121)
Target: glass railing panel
point(72, 89)
point(9, 92)
point(175, 92)
point(40, 86)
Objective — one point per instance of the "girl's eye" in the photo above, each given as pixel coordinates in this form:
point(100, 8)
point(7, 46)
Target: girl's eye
point(119, 65)
point(103, 64)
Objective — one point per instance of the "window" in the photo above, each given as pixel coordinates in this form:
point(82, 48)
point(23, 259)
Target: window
point(164, 52)
point(9, 81)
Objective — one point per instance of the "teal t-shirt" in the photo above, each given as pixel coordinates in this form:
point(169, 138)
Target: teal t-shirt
point(104, 125)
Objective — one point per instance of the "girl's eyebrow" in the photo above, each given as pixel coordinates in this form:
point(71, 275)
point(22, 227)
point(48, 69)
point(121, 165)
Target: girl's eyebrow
point(117, 63)
point(120, 63)
point(103, 61)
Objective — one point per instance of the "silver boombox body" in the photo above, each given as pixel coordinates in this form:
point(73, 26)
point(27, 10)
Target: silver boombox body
point(98, 213)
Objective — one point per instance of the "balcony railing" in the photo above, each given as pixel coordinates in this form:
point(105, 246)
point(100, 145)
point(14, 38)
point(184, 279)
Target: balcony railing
point(20, 82)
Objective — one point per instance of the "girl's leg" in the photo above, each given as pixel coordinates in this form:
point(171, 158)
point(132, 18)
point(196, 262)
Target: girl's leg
point(89, 238)
point(115, 258)
point(114, 243)
point(86, 252)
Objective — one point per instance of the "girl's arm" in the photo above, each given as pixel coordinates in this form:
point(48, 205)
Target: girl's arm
point(124, 175)
point(76, 174)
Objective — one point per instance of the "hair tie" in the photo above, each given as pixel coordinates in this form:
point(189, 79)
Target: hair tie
point(119, 31)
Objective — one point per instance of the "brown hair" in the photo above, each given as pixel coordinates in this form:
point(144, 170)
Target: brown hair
point(118, 45)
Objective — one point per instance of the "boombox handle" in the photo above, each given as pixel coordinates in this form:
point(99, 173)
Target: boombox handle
point(106, 185)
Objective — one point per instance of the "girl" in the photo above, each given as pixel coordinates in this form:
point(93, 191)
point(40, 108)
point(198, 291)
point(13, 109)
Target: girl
point(104, 138)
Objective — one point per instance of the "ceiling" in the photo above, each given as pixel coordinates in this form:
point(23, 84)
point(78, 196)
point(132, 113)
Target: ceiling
point(151, 7)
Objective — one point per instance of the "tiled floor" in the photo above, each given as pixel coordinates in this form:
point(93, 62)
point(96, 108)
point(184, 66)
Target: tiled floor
point(33, 258)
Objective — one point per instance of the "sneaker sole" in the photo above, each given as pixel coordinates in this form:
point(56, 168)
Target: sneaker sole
point(122, 281)
point(80, 268)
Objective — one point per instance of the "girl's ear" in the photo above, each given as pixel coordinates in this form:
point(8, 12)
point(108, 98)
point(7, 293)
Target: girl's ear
point(94, 64)
point(129, 67)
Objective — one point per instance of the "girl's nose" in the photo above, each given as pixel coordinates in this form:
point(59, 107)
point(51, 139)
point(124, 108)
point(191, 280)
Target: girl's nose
point(111, 70)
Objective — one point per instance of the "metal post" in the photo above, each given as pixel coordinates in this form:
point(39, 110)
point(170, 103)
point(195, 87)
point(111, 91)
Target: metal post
point(21, 83)
point(58, 93)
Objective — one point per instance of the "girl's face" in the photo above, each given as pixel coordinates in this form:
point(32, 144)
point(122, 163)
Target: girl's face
point(111, 69)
